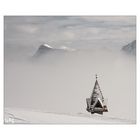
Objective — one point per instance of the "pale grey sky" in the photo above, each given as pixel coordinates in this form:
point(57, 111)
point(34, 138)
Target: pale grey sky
point(70, 31)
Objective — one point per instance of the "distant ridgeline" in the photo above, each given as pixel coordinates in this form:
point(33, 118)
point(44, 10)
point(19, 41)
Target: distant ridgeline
point(45, 49)
point(130, 48)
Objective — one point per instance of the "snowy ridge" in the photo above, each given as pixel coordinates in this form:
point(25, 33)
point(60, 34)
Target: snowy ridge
point(45, 50)
point(67, 48)
point(48, 46)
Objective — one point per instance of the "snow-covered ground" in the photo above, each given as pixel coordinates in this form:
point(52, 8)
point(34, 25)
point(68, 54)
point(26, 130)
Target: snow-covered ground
point(23, 116)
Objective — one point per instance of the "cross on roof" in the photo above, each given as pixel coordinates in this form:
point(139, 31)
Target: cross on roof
point(96, 76)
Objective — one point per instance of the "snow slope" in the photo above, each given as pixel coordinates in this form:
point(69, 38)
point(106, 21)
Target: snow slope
point(23, 116)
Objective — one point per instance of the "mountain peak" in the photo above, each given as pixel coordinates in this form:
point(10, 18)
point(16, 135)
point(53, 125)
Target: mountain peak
point(43, 49)
point(46, 45)
point(130, 48)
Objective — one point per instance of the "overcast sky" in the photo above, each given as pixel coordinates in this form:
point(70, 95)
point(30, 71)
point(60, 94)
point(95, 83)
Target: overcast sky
point(70, 31)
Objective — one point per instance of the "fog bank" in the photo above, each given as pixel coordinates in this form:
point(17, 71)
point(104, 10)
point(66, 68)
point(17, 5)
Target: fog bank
point(61, 83)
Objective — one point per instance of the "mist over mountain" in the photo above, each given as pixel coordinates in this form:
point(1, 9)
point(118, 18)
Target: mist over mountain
point(61, 81)
point(130, 48)
point(44, 49)
point(47, 53)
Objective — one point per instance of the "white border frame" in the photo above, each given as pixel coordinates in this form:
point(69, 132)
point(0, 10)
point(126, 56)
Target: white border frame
point(71, 7)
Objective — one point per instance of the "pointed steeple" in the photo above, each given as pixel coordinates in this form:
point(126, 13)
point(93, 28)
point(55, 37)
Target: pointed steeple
point(97, 93)
point(96, 104)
